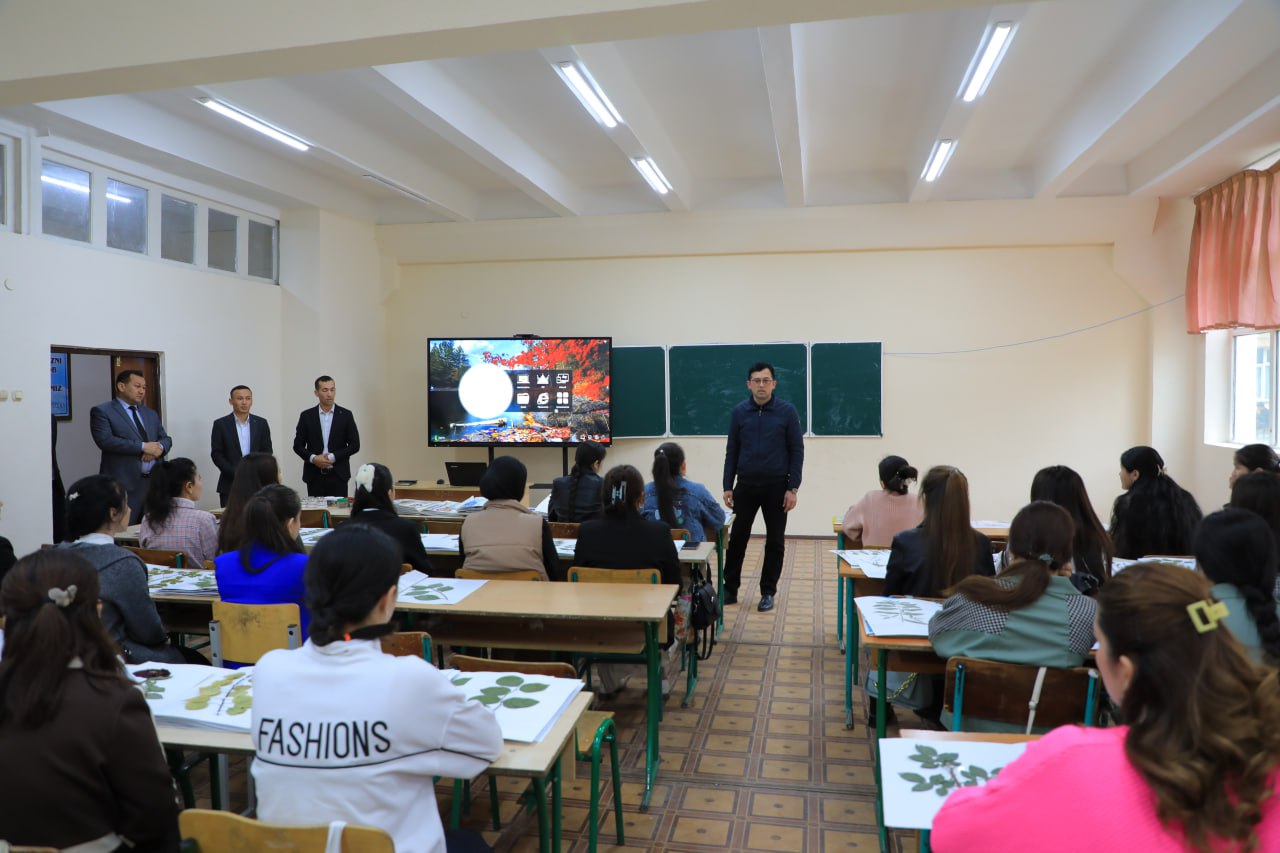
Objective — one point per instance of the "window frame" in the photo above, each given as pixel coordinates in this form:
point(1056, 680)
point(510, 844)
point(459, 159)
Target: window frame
point(1274, 335)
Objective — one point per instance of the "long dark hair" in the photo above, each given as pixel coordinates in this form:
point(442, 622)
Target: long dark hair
point(1235, 546)
point(378, 495)
point(1040, 544)
point(266, 519)
point(948, 529)
point(168, 476)
point(896, 474)
point(1202, 716)
point(587, 455)
point(50, 604)
point(1257, 457)
point(348, 571)
point(622, 486)
point(91, 501)
point(1156, 515)
point(1259, 493)
point(504, 479)
point(667, 460)
point(1063, 486)
point(253, 471)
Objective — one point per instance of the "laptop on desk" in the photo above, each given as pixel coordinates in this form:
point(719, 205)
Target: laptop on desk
point(465, 473)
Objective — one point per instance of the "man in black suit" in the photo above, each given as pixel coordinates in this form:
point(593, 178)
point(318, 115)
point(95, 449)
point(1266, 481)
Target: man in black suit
point(235, 436)
point(326, 440)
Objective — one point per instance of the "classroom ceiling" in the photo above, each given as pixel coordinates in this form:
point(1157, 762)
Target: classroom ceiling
point(1093, 97)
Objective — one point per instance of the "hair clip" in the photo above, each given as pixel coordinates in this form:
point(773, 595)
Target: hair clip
point(72, 496)
point(1047, 559)
point(619, 492)
point(1206, 614)
point(62, 597)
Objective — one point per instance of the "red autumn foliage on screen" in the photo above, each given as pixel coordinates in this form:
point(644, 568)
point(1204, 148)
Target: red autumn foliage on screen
point(587, 358)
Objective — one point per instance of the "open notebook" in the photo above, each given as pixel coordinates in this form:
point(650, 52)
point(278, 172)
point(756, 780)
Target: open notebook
point(896, 617)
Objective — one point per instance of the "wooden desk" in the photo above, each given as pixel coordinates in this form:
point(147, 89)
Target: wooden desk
point(535, 761)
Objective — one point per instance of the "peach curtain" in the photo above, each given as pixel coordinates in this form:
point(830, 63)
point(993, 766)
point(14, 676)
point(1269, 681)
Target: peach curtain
point(1233, 278)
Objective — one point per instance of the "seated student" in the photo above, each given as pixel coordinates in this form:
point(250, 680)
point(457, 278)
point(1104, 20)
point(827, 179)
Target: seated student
point(97, 509)
point(253, 471)
point(1237, 553)
point(1253, 458)
point(1259, 493)
point(375, 493)
point(945, 548)
point(83, 767)
point(887, 511)
point(681, 503)
point(269, 567)
point(170, 519)
point(506, 535)
point(1092, 549)
point(1155, 516)
point(1030, 613)
point(575, 497)
point(1193, 769)
point(407, 722)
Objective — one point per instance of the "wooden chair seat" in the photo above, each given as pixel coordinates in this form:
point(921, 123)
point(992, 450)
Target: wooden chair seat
point(482, 575)
point(679, 534)
point(553, 668)
point(218, 831)
point(583, 574)
point(157, 556)
point(1000, 692)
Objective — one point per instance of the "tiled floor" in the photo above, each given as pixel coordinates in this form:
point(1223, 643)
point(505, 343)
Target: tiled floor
point(760, 761)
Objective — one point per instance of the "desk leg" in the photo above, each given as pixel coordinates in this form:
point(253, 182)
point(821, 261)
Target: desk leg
point(720, 579)
point(839, 594)
point(882, 661)
point(651, 757)
point(539, 786)
point(556, 807)
point(850, 656)
point(690, 655)
point(220, 782)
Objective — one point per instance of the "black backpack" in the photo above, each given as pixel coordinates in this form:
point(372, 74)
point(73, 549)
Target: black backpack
point(703, 612)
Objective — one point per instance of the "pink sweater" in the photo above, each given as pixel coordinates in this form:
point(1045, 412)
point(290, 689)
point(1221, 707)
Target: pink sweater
point(1073, 790)
point(880, 516)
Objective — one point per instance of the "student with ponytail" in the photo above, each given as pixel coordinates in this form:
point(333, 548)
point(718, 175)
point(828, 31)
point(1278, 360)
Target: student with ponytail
point(1235, 550)
point(887, 511)
point(679, 502)
point(380, 728)
point(1193, 769)
point(83, 767)
point(375, 506)
point(576, 496)
point(171, 520)
point(1155, 515)
point(268, 568)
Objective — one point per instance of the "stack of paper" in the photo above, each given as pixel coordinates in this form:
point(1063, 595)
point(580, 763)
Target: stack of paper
point(1184, 562)
point(544, 506)
point(565, 547)
point(163, 579)
point(873, 563)
point(896, 617)
point(526, 706)
point(473, 504)
point(311, 535)
point(415, 587)
point(440, 542)
point(197, 696)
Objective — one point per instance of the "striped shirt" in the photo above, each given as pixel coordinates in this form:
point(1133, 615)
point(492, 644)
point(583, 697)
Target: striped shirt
point(192, 531)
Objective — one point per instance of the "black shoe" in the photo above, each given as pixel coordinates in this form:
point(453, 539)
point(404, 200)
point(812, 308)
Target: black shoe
point(730, 596)
point(766, 603)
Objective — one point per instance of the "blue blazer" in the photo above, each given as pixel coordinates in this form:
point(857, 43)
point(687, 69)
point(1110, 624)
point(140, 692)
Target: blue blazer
point(224, 446)
point(116, 436)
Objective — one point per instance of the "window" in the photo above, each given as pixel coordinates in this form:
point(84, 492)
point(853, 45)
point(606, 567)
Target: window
point(4, 184)
point(64, 201)
point(126, 216)
point(222, 240)
point(1253, 388)
point(177, 229)
point(262, 250)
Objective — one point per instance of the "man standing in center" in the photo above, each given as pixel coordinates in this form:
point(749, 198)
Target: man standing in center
point(326, 440)
point(235, 436)
point(765, 453)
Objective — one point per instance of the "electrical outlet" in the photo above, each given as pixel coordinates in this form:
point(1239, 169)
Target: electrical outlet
point(4, 395)
point(17, 396)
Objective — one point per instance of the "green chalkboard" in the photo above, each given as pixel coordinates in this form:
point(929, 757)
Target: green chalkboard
point(846, 388)
point(638, 387)
point(708, 381)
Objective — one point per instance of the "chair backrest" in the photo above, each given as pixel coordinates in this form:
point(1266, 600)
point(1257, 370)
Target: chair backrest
point(405, 568)
point(207, 564)
point(554, 668)
point(1001, 692)
point(482, 575)
point(452, 528)
point(218, 831)
point(245, 632)
point(679, 534)
point(315, 518)
point(157, 556)
point(564, 529)
point(582, 574)
point(410, 644)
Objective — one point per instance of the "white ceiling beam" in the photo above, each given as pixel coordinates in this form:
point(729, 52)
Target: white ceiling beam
point(777, 52)
point(641, 132)
point(278, 103)
point(434, 99)
point(54, 51)
point(1141, 58)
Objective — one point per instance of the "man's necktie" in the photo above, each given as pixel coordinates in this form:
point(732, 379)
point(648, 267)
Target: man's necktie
point(137, 422)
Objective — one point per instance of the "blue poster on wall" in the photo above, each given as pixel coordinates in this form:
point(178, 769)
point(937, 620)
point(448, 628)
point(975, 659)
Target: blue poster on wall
point(60, 384)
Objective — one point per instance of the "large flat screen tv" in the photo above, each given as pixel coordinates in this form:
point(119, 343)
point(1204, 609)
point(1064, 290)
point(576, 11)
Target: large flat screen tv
point(503, 392)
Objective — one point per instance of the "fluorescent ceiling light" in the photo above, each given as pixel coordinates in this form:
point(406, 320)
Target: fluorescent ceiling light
point(997, 43)
point(254, 124)
point(592, 97)
point(942, 151)
point(404, 191)
point(652, 174)
point(81, 188)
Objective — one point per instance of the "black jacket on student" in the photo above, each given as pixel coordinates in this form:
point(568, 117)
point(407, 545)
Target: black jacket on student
point(404, 531)
point(584, 506)
point(631, 542)
point(910, 573)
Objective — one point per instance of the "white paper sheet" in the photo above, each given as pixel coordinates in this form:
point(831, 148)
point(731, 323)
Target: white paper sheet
point(896, 617)
point(440, 542)
point(407, 506)
point(472, 504)
point(988, 523)
point(919, 774)
point(199, 696)
point(311, 535)
point(1184, 562)
point(873, 563)
point(415, 587)
point(544, 506)
point(526, 706)
point(163, 579)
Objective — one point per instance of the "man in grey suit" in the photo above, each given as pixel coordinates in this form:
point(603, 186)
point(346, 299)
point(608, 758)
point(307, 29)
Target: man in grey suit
point(235, 436)
point(130, 436)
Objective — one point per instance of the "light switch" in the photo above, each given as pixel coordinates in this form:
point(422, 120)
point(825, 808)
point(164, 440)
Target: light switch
point(17, 396)
point(4, 395)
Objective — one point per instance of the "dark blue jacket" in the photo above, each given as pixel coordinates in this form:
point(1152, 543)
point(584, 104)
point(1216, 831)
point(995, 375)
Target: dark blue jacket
point(764, 443)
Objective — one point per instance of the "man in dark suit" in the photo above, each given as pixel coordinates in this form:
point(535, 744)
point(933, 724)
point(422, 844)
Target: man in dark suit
point(235, 436)
point(130, 436)
point(325, 440)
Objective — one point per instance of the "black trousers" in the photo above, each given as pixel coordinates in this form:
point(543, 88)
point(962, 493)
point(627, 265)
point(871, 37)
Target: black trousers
point(748, 498)
point(327, 486)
